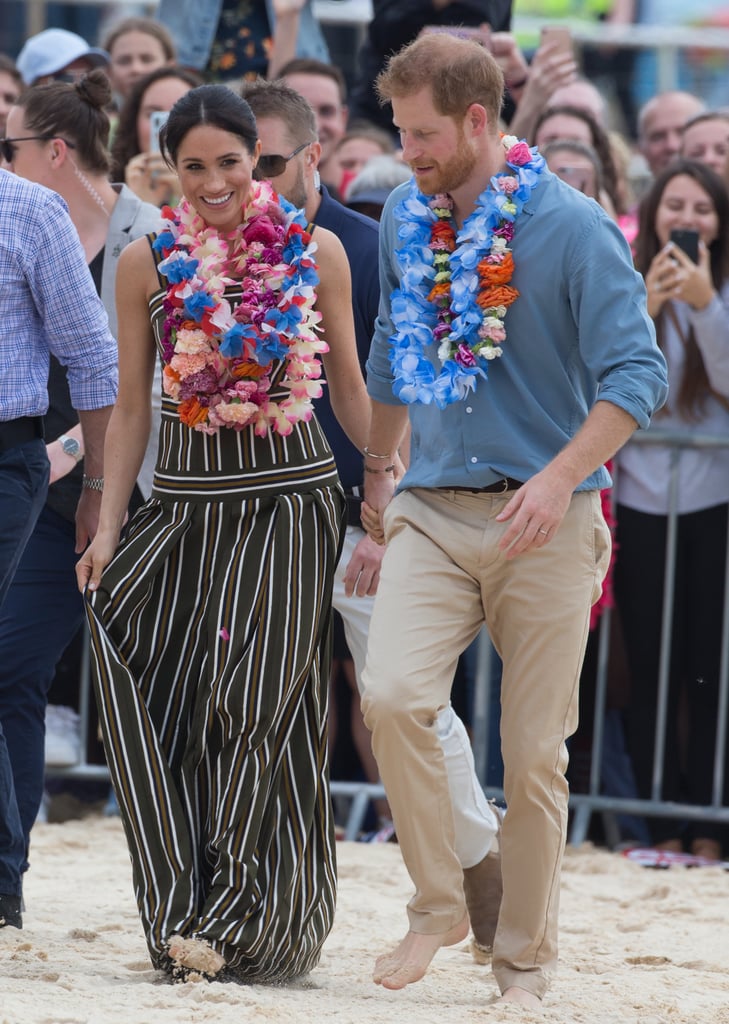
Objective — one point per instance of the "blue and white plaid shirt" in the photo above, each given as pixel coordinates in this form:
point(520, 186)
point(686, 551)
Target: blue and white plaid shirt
point(48, 303)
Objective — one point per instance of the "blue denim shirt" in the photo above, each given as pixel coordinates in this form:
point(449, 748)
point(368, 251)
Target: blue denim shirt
point(578, 332)
point(193, 24)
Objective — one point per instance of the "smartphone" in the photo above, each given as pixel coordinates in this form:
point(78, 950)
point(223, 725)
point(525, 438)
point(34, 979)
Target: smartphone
point(157, 119)
point(688, 241)
point(477, 33)
point(559, 36)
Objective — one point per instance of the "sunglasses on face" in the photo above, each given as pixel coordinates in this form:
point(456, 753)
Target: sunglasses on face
point(273, 164)
point(7, 146)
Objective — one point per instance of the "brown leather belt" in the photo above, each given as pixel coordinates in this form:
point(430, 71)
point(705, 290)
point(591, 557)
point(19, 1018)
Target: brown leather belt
point(20, 431)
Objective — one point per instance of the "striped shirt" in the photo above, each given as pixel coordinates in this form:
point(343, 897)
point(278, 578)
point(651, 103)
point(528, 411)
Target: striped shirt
point(48, 303)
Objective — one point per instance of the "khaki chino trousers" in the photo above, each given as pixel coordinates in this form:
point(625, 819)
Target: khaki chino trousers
point(442, 576)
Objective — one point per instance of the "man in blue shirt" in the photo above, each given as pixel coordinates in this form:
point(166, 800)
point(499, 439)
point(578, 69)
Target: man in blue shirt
point(48, 303)
point(513, 330)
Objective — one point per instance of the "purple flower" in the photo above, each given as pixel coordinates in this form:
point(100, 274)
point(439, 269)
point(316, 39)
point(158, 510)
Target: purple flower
point(505, 230)
point(204, 382)
point(464, 356)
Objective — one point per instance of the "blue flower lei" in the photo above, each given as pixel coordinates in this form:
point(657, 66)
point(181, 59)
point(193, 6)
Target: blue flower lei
point(465, 353)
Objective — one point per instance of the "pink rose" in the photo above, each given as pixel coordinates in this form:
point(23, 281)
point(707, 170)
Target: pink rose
point(519, 154)
point(509, 184)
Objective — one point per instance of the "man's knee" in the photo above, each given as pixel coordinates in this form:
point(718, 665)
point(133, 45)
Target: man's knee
point(392, 702)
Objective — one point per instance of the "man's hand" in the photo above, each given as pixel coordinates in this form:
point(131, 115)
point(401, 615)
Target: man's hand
point(536, 511)
point(362, 575)
point(87, 518)
point(379, 489)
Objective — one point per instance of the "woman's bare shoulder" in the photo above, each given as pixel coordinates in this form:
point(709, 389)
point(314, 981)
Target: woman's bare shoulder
point(137, 266)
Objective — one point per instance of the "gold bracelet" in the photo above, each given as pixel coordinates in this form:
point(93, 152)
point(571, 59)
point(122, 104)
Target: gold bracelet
point(373, 455)
point(385, 469)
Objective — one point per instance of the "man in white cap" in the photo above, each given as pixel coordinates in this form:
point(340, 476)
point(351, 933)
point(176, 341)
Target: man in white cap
point(55, 52)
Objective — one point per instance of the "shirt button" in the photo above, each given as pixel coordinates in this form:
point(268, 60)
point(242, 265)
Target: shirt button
point(474, 459)
point(469, 408)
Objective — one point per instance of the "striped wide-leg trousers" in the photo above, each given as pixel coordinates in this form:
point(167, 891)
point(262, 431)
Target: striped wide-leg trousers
point(210, 638)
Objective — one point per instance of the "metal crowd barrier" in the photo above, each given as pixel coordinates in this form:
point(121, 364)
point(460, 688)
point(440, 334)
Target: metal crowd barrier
point(594, 800)
point(582, 805)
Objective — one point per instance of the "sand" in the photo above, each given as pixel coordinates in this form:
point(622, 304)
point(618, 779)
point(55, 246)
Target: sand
point(637, 944)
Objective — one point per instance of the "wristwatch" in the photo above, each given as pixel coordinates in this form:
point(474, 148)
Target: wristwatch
point(71, 447)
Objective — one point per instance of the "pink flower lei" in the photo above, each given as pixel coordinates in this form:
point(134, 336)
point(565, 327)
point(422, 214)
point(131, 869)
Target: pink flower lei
point(218, 361)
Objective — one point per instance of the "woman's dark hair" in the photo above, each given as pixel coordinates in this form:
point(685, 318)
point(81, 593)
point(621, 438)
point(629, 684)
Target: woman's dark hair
point(695, 384)
point(599, 140)
point(126, 142)
point(73, 111)
point(214, 105)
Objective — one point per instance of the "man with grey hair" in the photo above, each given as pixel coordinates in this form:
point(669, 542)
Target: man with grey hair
point(660, 126)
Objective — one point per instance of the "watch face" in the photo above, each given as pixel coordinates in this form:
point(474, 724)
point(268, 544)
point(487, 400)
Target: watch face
point(71, 446)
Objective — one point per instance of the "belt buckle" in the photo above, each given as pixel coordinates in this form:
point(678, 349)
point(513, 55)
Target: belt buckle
point(505, 488)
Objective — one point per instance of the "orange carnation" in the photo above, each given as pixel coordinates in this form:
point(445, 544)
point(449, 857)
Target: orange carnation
point(439, 291)
point(250, 370)
point(497, 273)
point(498, 295)
point(192, 413)
point(444, 235)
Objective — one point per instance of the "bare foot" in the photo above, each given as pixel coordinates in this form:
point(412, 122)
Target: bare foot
point(670, 846)
point(709, 848)
point(520, 997)
point(410, 961)
point(195, 955)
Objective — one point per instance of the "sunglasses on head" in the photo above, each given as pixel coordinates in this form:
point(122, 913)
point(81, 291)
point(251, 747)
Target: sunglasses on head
point(273, 164)
point(7, 146)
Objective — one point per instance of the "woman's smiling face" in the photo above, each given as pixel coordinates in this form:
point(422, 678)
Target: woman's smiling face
point(215, 169)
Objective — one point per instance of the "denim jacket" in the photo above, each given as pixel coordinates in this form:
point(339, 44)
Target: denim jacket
point(193, 24)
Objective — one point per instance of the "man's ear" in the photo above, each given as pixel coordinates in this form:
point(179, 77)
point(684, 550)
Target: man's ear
point(477, 119)
point(313, 155)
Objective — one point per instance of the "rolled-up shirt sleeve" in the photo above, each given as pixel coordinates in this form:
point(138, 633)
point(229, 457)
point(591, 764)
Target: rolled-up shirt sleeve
point(616, 334)
point(74, 320)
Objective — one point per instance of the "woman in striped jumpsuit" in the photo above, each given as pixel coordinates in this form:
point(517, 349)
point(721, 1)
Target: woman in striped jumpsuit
point(210, 622)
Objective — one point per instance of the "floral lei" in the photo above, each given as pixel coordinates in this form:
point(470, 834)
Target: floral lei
point(217, 361)
point(452, 293)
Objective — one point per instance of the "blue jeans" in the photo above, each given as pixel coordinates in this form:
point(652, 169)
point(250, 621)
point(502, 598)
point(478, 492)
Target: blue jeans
point(23, 488)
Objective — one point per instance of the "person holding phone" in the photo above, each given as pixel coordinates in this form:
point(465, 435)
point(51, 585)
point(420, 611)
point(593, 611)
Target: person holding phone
point(135, 156)
point(688, 298)
point(395, 23)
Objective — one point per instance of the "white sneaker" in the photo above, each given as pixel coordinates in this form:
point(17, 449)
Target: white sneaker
point(63, 737)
